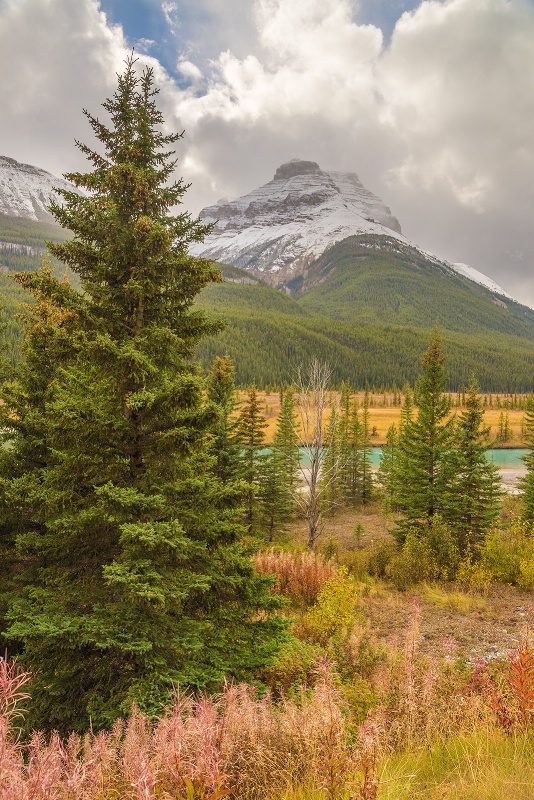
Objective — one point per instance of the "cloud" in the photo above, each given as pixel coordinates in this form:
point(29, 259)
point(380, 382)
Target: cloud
point(438, 121)
point(55, 57)
point(170, 12)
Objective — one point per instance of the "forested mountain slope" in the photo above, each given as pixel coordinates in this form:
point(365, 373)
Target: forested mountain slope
point(269, 334)
point(373, 278)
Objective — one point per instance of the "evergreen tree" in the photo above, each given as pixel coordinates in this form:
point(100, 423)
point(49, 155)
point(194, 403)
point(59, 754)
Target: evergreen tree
point(286, 438)
point(333, 476)
point(279, 470)
point(134, 577)
point(474, 492)
point(251, 437)
point(275, 496)
point(225, 446)
point(353, 468)
point(366, 475)
point(386, 470)
point(423, 463)
point(527, 483)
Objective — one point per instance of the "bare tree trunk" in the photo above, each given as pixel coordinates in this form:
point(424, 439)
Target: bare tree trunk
point(313, 405)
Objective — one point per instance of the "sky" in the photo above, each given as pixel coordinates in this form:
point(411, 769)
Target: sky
point(431, 103)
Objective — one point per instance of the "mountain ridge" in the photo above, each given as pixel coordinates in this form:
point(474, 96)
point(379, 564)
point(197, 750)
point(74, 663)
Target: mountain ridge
point(280, 229)
point(26, 191)
point(276, 230)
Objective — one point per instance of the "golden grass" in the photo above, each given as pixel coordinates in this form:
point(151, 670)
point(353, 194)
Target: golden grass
point(487, 764)
point(383, 414)
point(453, 599)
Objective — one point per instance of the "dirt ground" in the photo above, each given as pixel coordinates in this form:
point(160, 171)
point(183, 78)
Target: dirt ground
point(474, 623)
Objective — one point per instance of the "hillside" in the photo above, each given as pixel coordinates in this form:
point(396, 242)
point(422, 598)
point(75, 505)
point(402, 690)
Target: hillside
point(371, 278)
point(269, 334)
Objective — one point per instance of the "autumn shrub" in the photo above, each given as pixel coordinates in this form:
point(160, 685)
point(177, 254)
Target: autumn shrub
point(428, 553)
point(294, 668)
point(472, 573)
point(335, 608)
point(508, 555)
point(299, 577)
point(521, 681)
point(380, 558)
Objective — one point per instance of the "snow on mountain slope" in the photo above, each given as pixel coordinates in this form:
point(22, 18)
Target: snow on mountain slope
point(279, 228)
point(478, 277)
point(26, 191)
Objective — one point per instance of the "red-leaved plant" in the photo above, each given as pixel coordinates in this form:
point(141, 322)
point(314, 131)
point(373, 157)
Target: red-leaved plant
point(522, 682)
point(299, 576)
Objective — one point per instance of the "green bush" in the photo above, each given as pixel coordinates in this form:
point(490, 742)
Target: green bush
point(508, 555)
point(429, 553)
point(294, 667)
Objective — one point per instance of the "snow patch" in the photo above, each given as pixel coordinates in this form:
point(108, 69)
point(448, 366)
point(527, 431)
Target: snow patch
point(479, 277)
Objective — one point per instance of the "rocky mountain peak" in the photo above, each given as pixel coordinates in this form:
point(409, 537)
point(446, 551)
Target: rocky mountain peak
point(296, 167)
point(275, 231)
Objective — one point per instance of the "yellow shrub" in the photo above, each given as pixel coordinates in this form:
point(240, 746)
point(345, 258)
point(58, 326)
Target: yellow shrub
point(334, 609)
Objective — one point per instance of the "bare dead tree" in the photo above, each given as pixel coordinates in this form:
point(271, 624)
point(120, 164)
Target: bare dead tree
point(315, 434)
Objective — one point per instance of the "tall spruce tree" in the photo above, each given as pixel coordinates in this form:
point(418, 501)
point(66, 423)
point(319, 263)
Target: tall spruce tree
point(366, 475)
point(286, 438)
point(386, 470)
point(352, 468)
point(335, 454)
point(251, 436)
point(225, 446)
point(278, 475)
point(275, 496)
point(135, 579)
point(423, 460)
point(527, 482)
point(472, 498)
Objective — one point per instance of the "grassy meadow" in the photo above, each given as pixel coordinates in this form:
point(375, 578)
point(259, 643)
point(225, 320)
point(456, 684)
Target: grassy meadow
point(383, 413)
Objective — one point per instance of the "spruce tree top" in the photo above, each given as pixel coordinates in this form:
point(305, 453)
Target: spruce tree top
point(124, 236)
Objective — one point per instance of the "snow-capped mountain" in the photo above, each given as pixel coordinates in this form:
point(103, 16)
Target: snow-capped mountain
point(278, 230)
point(26, 191)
